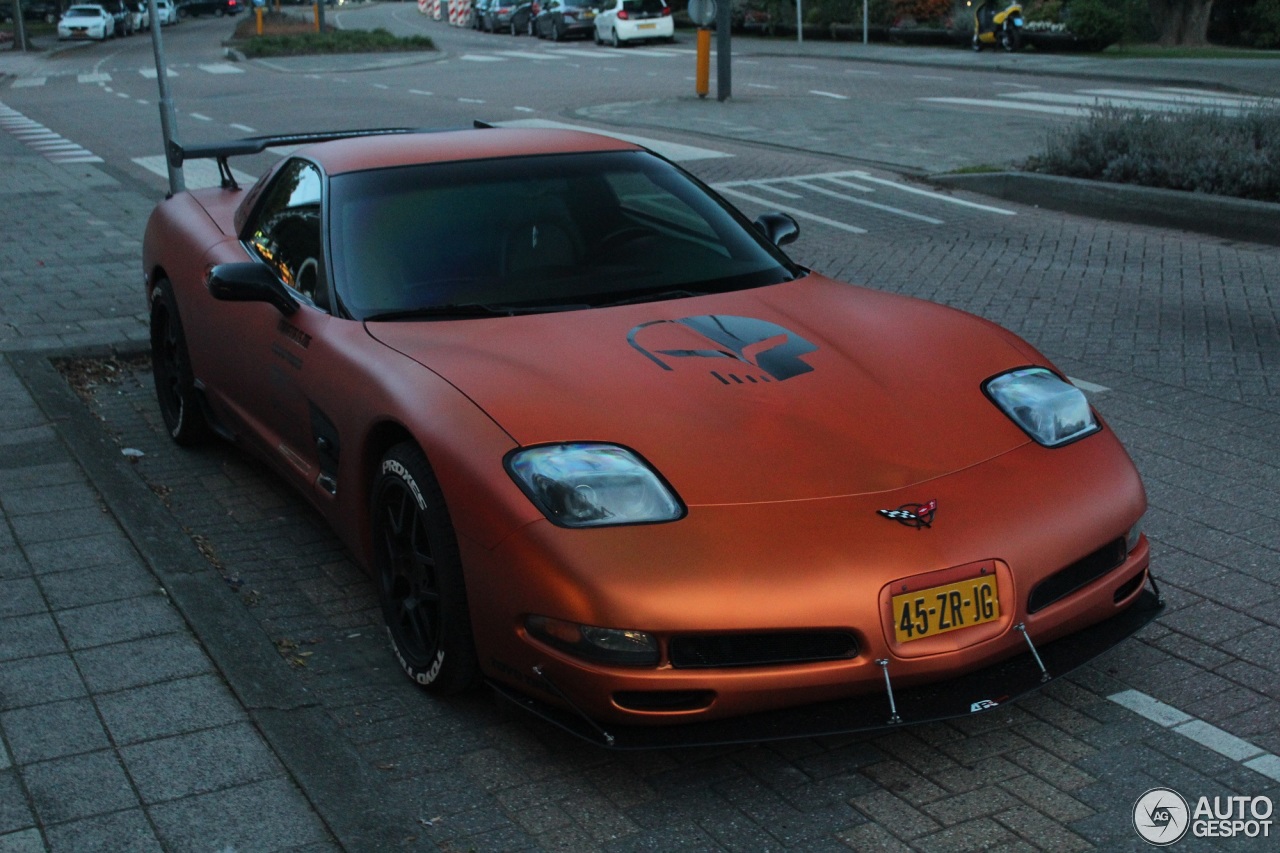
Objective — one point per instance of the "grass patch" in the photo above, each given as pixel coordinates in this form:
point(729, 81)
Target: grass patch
point(291, 35)
point(1206, 151)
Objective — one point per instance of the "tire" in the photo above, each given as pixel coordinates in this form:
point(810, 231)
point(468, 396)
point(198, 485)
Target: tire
point(557, 32)
point(419, 574)
point(613, 38)
point(171, 369)
point(977, 45)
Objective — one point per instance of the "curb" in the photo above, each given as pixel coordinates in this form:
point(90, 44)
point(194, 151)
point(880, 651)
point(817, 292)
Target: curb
point(1215, 215)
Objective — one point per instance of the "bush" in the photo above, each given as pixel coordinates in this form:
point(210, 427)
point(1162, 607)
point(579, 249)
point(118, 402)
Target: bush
point(921, 11)
point(332, 41)
point(1096, 21)
point(1264, 23)
point(1199, 151)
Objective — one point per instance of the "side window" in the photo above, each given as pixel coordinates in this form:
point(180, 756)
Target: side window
point(286, 232)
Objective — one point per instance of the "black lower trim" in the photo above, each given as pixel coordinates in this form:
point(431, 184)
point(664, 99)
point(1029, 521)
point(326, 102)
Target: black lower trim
point(959, 697)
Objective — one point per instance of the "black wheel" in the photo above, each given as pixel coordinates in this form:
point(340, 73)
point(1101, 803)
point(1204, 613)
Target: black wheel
point(171, 369)
point(1012, 39)
point(977, 44)
point(419, 574)
point(557, 32)
point(613, 38)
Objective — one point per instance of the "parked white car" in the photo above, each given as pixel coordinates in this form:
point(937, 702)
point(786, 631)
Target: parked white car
point(621, 22)
point(167, 10)
point(86, 22)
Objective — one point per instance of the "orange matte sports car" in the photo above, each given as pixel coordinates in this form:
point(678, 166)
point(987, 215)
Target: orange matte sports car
point(602, 445)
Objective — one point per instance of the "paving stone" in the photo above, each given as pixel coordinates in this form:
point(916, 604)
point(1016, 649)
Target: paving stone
point(169, 708)
point(119, 621)
point(267, 815)
point(121, 832)
point(78, 786)
point(199, 762)
point(138, 662)
point(54, 730)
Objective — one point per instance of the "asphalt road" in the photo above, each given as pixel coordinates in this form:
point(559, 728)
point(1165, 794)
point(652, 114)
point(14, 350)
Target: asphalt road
point(297, 732)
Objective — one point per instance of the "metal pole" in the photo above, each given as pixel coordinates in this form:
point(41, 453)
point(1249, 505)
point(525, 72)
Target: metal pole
point(800, 21)
point(865, 20)
point(724, 70)
point(168, 119)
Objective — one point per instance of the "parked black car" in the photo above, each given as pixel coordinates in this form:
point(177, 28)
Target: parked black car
point(48, 11)
point(123, 15)
point(560, 19)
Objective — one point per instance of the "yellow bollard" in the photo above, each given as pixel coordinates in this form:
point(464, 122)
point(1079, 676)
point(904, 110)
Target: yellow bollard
point(258, 11)
point(702, 82)
point(316, 10)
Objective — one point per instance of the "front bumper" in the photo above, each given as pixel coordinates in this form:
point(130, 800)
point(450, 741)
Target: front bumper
point(972, 693)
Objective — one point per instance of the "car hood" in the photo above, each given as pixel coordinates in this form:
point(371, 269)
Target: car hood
point(797, 391)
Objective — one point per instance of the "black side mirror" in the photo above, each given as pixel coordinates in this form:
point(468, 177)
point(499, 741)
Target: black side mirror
point(250, 282)
point(780, 228)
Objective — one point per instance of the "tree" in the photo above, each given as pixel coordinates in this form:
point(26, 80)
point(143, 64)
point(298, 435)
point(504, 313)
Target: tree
point(1181, 22)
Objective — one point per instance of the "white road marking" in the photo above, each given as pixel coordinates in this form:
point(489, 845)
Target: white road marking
point(151, 73)
point(863, 176)
point(822, 94)
point(1209, 736)
point(420, 92)
point(1185, 97)
point(794, 211)
point(28, 82)
point(199, 117)
point(862, 201)
point(671, 150)
point(94, 78)
point(244, 128)
point(1072, 112)
point(760, 86)
point(43, 141)
point(1088, 387)
point(840, 182)
point(524, 54)
point(221, 68)
point(481, 57)
point(767, 187)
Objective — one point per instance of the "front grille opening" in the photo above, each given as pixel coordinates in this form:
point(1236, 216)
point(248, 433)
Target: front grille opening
point(770, 649)
point(663, 700)
point(1127, 588)
point(1077, 575)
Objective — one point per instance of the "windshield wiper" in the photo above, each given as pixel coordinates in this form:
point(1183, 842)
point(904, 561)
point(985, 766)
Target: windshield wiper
point(656, 296)
point(464, 310)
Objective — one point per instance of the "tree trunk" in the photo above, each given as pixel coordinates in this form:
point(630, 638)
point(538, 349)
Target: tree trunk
point(1181, 22)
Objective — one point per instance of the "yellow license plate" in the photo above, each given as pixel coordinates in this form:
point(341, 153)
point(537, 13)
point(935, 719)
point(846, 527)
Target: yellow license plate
point(647, 26)
point(939, 609)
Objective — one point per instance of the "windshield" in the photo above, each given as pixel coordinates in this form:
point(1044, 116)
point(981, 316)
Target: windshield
point(536, 233)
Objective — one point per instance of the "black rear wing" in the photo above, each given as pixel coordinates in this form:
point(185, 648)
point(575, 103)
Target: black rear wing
point(223, 151)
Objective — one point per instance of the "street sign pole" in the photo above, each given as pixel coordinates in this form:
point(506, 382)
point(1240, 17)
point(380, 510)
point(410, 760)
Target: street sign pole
point(724, 70)
point(168, 119)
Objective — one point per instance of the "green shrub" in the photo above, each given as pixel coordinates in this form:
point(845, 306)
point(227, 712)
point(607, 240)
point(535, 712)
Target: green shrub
point(334, 41)
point(1203, 151)
point(1264, 23)
point(921, 11)
point(1098, 21)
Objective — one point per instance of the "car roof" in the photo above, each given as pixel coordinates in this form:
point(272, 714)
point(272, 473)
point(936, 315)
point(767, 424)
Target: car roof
point(405, 149)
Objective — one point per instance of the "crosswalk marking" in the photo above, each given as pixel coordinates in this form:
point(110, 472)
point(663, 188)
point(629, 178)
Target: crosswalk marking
point(220, 68)
point(1083, 102)
point(152, 74)
point(25, 82)
point(99, 77)
point(43, 141)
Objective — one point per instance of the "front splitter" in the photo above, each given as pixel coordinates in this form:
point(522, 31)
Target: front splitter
point(964, 696)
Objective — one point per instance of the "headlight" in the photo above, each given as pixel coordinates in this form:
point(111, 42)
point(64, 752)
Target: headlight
point(592, 485)
point(1051, 411)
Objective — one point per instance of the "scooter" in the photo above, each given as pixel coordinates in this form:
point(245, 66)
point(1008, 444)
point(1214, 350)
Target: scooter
point(992, 27)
